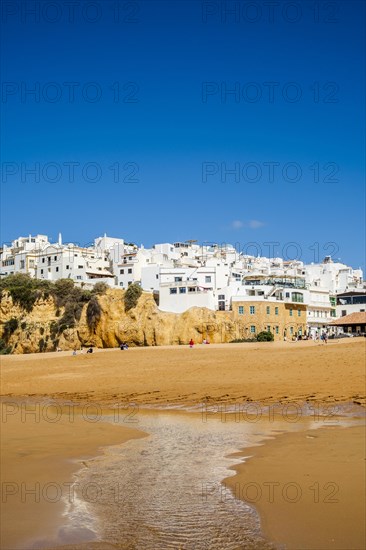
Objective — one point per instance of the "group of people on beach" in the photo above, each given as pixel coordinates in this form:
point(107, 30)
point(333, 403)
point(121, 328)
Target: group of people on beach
point(89, 350)
point(204, 341)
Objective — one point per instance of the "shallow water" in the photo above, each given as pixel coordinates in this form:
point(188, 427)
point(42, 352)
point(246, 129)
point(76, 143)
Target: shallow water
point(165, 490)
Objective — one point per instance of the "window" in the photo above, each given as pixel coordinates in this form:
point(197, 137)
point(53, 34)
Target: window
point(291, 312)
point(299, 312)
point(121, 271)
point(55, 258)
point(221, 296)
point(157, 276)
point(67, 267)
point(41, 271)
point(129, 283)
point(268, 328)
point(173, 291)
point(182, 290)
point(79, 277)
point(43, 260)
point(191, 289)
point(49, 258)
point(297, 297)
point(344, 312)
point(291, 330)
point(252, 329)
point(208, 279)
point(241, 310)
point(277, 330)
point(80, 267)
point(120, 284)
point(21, 264)
point(178, 279)
point(276, 310)
point(252, 310)
point(129, 270)
point(268, 310)
point(56, 269)
point(287, 295)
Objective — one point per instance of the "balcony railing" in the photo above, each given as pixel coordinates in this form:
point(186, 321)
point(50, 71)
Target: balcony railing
point(295, 283)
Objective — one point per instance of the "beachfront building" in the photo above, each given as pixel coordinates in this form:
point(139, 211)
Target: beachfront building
point(321, 310)
point(284, 319)
point(350, 302)
point(274, 304)
point(354, 323)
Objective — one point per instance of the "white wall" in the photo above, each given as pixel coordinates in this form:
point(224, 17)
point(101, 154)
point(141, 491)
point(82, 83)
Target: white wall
point(178, 303)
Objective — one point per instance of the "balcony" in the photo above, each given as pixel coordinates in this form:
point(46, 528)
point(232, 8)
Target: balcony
point(277, 282)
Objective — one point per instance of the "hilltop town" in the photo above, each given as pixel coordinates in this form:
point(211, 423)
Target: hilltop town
point(288, 298)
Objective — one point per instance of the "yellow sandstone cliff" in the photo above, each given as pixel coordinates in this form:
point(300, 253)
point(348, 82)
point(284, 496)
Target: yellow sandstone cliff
point(143, 325)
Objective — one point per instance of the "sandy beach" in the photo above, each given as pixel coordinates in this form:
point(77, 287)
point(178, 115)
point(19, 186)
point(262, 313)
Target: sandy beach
point(309, 488)
point(302, 374)
point(268, 372)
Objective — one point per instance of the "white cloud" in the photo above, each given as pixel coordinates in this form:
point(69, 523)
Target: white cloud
point(253, 224)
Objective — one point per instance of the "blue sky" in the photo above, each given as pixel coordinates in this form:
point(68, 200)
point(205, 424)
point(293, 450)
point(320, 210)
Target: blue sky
point(151, 95)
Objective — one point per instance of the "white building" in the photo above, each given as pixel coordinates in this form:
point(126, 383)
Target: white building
point(20, 257)
point(351, 302)
point(186, 274)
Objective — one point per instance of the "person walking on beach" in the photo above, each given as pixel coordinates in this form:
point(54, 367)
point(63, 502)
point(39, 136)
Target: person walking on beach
point(191, 343)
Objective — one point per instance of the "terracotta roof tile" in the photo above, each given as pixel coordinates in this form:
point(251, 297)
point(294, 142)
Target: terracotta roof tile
point(358, 318)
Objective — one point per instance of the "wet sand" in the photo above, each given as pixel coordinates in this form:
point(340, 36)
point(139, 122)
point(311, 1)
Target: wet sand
point(308, 487)
point(269, 373)
point(38, 459)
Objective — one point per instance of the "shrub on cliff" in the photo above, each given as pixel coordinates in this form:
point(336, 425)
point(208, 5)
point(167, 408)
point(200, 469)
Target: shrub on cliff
point(23, 290)
point(100, 289)
point(132, 296)
point(93, 313)
point(10, 327)
point(4, 348)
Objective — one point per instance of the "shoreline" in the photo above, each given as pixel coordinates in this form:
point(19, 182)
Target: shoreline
point(262, 463)
point(315, 385)
point(307, 487)
point(39, 461)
